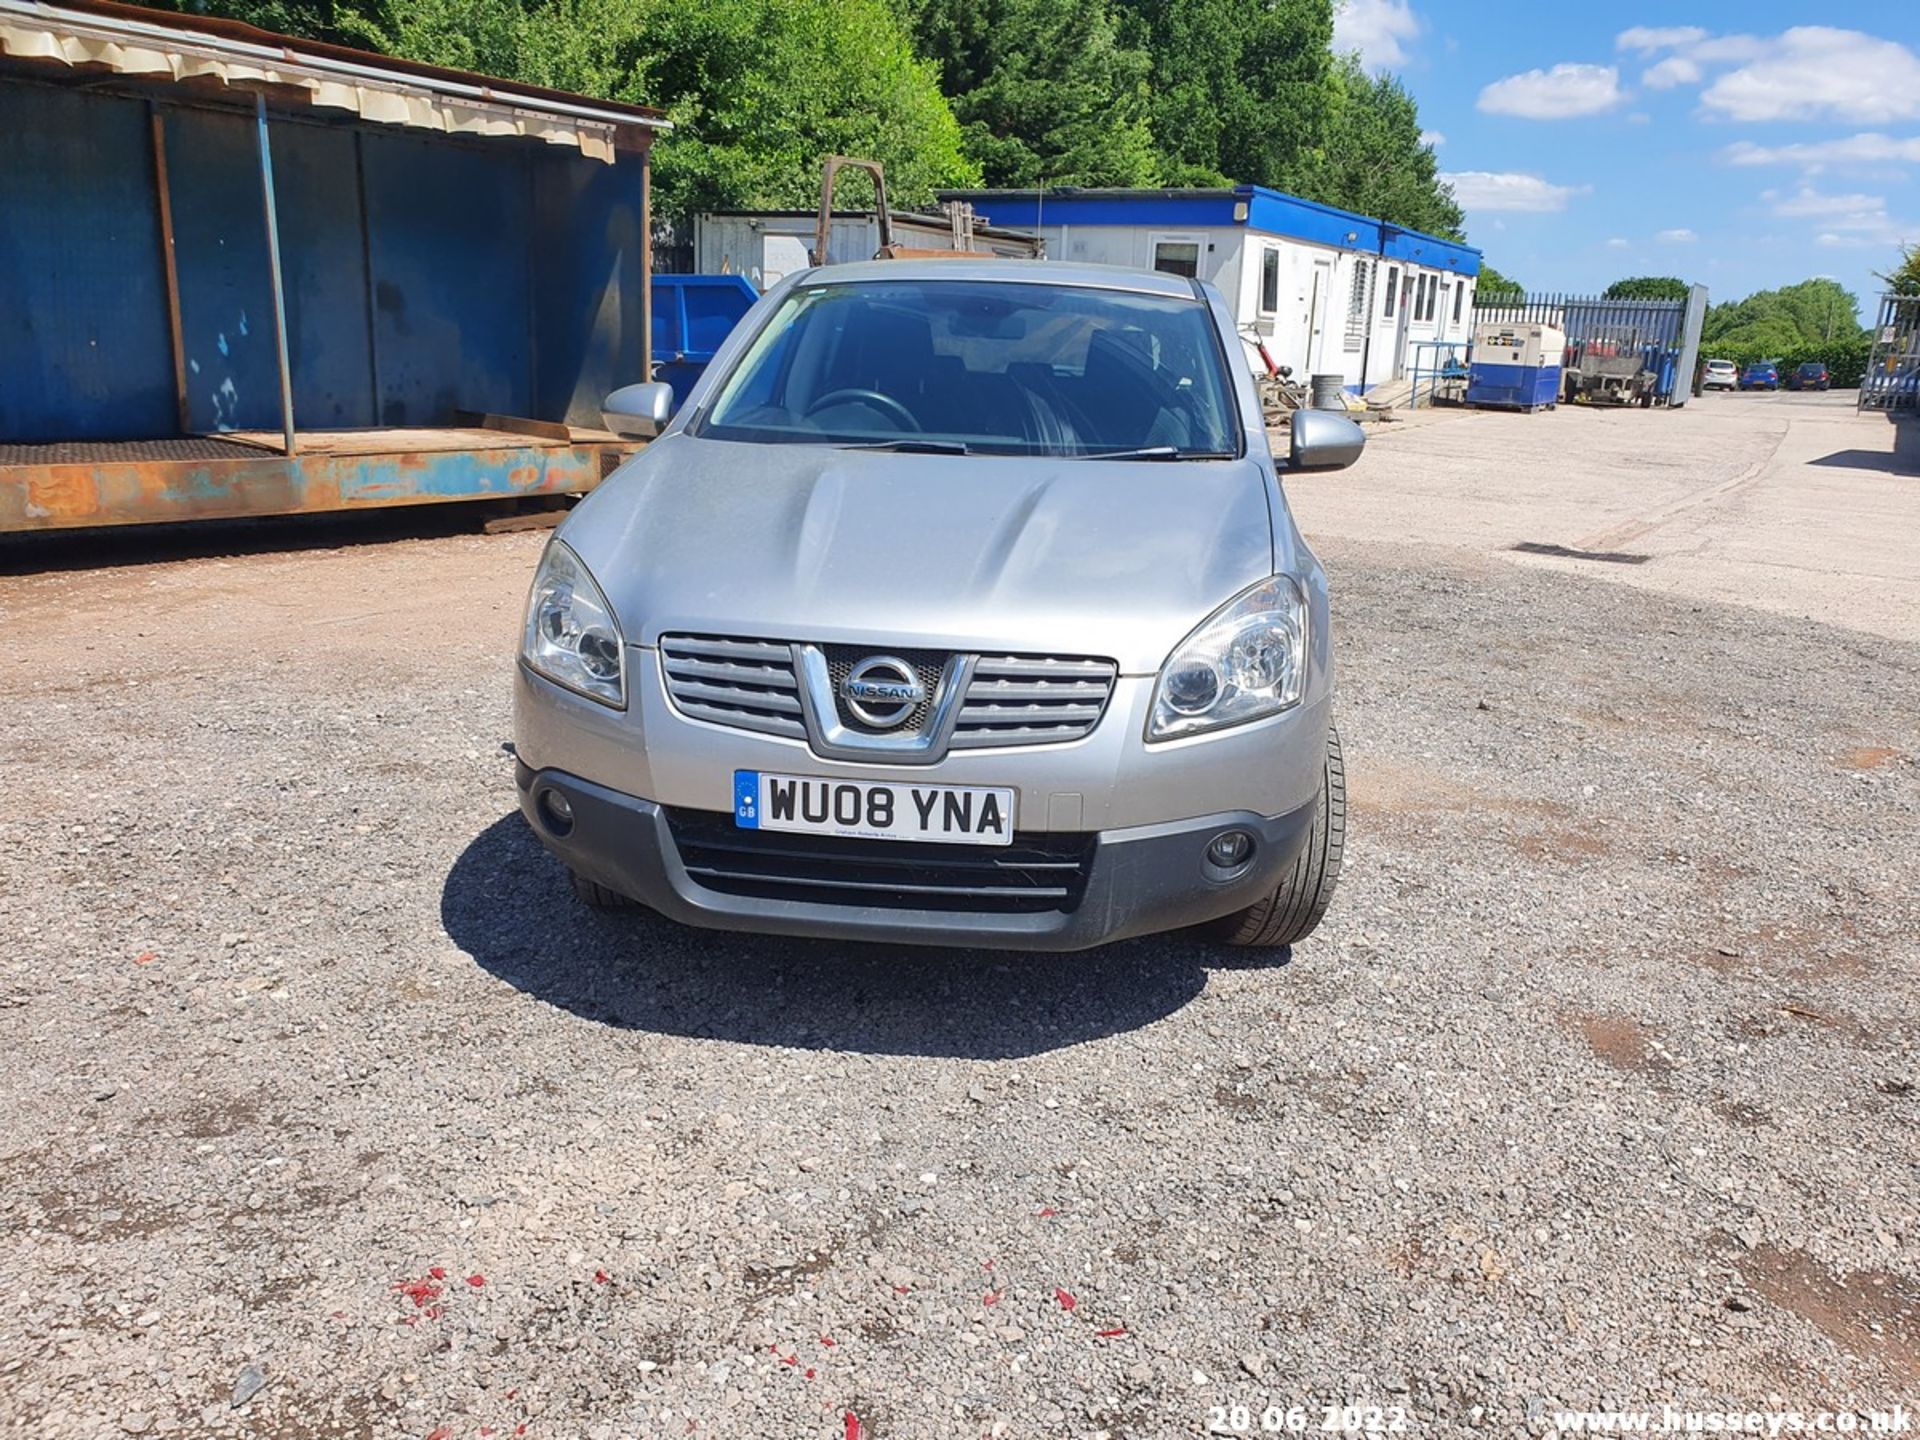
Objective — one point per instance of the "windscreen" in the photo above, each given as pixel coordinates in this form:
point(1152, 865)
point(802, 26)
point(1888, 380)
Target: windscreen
point(1004, 368)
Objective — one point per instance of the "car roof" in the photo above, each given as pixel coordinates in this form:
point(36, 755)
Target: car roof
point(1030, 272)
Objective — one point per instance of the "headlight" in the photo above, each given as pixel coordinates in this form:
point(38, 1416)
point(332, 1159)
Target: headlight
point(1247, 660)
point(571, 636)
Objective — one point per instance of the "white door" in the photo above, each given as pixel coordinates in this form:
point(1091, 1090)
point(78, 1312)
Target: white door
point(1403, 321)
point(1317, 313)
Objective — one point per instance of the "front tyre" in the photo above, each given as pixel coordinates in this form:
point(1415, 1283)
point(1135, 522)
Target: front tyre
point(1295, 908)
point(592, 892)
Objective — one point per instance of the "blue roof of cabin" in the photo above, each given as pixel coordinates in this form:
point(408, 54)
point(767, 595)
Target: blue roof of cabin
point(1268, 211)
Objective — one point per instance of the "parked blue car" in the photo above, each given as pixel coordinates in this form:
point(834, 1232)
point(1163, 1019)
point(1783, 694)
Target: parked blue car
point(1761, 375)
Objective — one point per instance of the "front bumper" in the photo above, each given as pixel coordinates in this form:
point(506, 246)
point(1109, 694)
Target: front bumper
point(1139, 880)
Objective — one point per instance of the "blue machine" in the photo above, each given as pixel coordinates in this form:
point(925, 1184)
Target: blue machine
point(692, 317)
point(1515, 366)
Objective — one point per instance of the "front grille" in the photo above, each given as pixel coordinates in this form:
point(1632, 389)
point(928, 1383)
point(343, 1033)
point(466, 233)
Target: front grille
point(1029, 700)
point(748, 684)
point(928, 666)
point(1038, 872)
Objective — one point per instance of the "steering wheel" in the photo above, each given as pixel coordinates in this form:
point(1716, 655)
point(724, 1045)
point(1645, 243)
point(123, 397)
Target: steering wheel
point(886, 404)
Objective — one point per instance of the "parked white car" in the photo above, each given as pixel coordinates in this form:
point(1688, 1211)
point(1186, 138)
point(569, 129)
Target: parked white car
point(1721, 375)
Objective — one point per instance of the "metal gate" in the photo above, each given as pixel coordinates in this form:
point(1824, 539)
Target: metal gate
point(1892, 379)
point(1664, 333)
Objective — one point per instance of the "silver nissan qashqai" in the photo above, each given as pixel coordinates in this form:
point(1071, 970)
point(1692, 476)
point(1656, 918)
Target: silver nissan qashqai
point(959, 604)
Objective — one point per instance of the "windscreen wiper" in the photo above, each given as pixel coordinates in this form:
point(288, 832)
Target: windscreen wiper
point(915, 446)
point(1158, 452)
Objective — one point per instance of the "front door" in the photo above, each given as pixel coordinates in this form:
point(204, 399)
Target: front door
point(1317, 312)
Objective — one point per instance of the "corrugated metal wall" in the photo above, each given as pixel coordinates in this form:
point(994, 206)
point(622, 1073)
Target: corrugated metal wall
point(423, 276)
point(83, 308)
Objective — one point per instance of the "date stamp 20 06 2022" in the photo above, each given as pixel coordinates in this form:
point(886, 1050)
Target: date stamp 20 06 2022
point(1304, 1419)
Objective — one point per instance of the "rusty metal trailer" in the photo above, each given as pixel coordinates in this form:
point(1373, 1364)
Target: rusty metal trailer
point(253, 275)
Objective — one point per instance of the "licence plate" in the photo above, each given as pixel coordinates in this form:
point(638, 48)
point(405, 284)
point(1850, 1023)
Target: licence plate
point(873, 809)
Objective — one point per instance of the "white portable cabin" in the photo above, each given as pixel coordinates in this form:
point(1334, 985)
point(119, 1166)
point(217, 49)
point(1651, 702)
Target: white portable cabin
point(767, 245)
point(1328, 292)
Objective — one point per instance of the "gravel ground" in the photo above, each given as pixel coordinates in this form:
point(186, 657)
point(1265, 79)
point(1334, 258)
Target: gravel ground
point(1598, 1087)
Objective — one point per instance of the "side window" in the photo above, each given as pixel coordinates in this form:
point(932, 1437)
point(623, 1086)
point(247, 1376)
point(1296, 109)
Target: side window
point(1269, 280)
point(1459, 295)
point(1177, 257)
point(1393, 288)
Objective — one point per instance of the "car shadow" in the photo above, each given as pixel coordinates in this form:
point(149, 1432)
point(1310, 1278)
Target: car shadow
point(509, 905)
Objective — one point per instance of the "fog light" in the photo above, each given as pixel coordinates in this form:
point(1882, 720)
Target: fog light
point(1230, 849)
point(556, 811)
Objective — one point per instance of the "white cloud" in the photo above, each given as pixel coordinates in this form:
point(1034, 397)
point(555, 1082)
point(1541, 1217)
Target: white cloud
point(1808, 201)
point(1846, 221)
point(1853, 152)
point(1380, 30)
point(1616, 243)
point(1432, 138)
point(1507, 190)
point(1658, 37)
point(1725, 49)
point(1682, 236)
point(1672, 71)
point(1562, 93)
point(1818, 72)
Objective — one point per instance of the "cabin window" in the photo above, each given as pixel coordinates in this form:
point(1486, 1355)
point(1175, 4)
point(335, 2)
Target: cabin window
point(1177, 257)
point(1269, 281)
point(1393, 288)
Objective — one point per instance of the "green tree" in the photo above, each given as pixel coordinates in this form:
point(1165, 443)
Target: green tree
point(1493, 288)
point(1242, 90)
point(1810, 313)
point(1905, 278)
point(1374, 161)
point(1648, 287)
point(1044, 90)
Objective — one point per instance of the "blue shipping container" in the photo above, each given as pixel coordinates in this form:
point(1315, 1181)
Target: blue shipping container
point(692, 317)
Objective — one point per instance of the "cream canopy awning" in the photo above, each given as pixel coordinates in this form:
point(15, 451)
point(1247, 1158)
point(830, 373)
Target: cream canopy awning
point(169, 46)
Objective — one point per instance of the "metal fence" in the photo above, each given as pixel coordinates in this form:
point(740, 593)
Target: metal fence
point(1892, 379)
point(1665, 332)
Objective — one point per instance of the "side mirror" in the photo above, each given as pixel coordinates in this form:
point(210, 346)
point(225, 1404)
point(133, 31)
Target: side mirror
point(1323, 440)
point(641, 410)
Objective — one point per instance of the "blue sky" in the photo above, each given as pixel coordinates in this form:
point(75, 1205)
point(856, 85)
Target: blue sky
point(1739, 146)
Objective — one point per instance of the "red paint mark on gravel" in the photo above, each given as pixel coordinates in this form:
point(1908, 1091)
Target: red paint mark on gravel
point(513, 1392)
point(827, 1340)
point(600, 1277)
point(441, 1432)
point(1114, 1334)
point(853, 1426)
point(520, 1429)
point(793, 1360)
point(476, 1281)
point(903, 1289)
point(986, 1264)
point(145, 957)
point(1067, 1302)
point(438, 1272)
point(1047, 1212)
point(809, 1372)
point(422, 1292)
point(992, 1297)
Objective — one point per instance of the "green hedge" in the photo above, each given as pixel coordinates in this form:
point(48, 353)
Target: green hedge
point(1846, 360)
